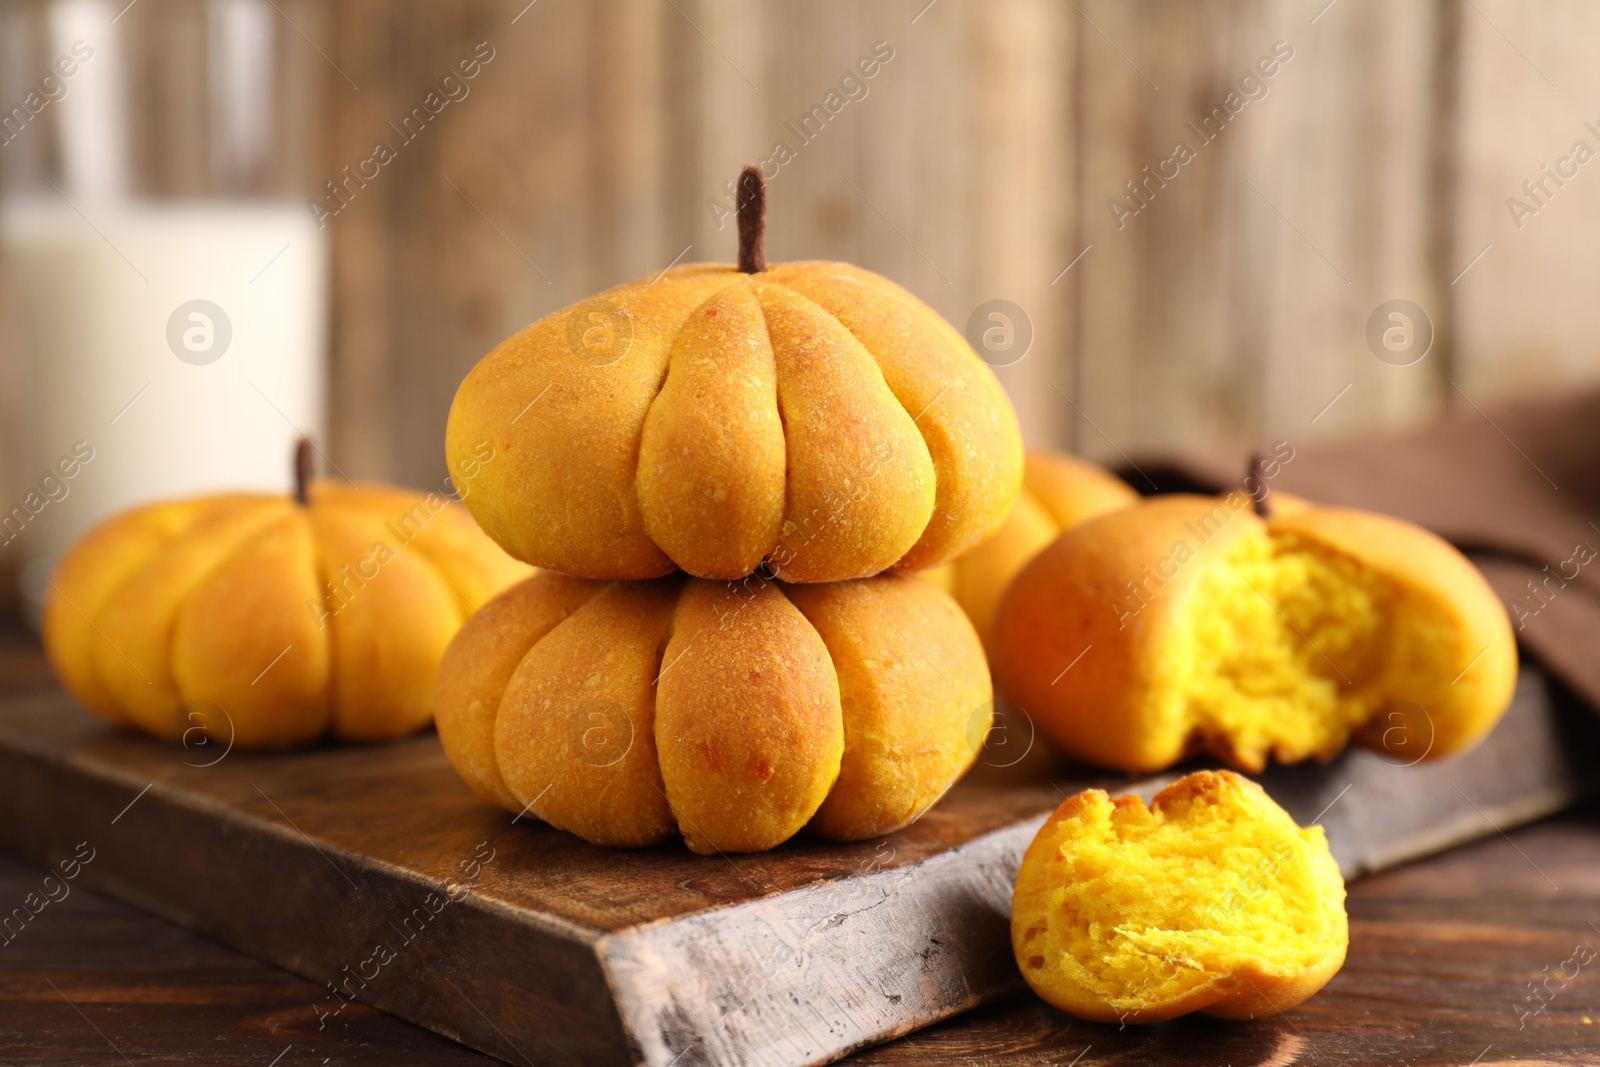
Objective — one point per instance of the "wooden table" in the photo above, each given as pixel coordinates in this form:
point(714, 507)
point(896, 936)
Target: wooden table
point(1442, 953)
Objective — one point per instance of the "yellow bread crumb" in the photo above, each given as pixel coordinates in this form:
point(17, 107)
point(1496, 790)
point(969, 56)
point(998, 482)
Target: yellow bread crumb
point(1210, 900)
point(1202, 627)
point(1290, 649)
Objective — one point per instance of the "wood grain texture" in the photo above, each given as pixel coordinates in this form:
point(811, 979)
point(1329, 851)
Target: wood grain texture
point(362, 267)
point(1460, 934)
point(91, 981)
point(1441, 952)
point(978, 166)
point(335, 863)
point(1527, 97)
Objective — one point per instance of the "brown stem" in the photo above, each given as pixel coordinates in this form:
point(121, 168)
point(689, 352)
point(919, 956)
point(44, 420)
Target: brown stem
point(752, 221)
point(302, 469)
point(1258, 495)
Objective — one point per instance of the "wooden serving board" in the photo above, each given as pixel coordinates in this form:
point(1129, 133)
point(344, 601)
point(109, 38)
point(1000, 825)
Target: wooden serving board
point(375, 870)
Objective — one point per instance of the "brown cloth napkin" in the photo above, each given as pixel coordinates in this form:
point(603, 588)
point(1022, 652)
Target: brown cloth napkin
point(1517, 487)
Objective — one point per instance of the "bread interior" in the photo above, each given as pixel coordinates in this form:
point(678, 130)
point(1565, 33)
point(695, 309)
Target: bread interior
point(1146, 907)
point(1289, 648)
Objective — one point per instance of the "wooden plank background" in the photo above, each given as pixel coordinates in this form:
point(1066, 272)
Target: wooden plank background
point(979, 165)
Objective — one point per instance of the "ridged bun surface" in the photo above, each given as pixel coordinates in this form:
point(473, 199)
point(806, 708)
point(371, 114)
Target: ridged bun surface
point(813, 415)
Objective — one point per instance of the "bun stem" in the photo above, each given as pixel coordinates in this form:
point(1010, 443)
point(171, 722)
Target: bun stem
point(302, 469)
point(752, 220)
point(1258, 491)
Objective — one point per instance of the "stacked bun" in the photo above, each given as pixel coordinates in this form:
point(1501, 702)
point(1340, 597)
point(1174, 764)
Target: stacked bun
point(722, 473)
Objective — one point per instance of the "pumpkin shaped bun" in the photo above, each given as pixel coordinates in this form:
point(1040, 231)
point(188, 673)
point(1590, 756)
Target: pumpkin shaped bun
point(708, 418)
point(1190, 623)
point(266, 621)
point(1210, 900)
point(1058, 492)
point(732, 713)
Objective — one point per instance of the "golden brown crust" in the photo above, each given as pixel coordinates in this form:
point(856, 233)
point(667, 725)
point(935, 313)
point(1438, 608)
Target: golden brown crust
point(748, 722)
point(967, 425)
point(1072, 601)
point(749, 707)
point(657, 443)
point(383, 673)
point(216, 613)
point(478, 665)
point(1074, 490)
point(100, 562)
point(132, 640)
point(860, 482)
point(1058, 492)
point(575, 735)
point(253, 602)
point(543, 438)
point(712, 456)
point(915, 693)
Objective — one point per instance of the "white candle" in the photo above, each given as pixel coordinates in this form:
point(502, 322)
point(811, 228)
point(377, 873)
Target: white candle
point(182, 343)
